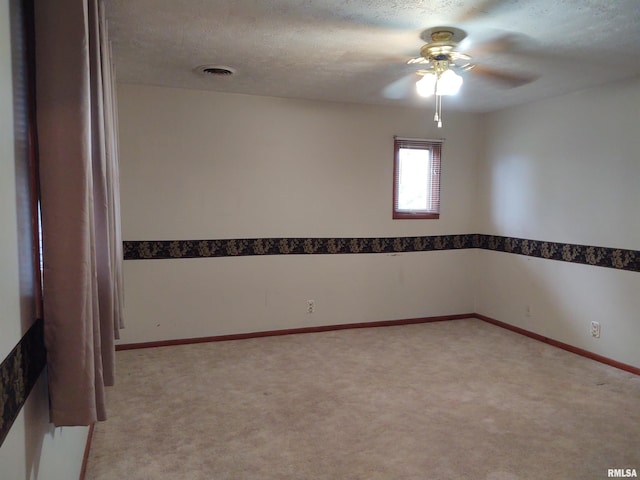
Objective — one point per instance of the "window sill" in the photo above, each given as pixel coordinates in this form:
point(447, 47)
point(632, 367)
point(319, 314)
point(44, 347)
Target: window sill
point(415, 216)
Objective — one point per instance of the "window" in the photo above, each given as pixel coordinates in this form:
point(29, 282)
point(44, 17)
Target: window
point(416, 178)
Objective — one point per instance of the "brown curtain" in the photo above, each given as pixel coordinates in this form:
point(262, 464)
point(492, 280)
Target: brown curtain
point(82, 247)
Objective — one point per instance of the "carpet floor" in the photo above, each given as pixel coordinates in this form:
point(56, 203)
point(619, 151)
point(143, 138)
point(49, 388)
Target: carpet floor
point(459, 399)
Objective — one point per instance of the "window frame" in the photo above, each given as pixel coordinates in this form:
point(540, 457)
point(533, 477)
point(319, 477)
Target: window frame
point(435, 148)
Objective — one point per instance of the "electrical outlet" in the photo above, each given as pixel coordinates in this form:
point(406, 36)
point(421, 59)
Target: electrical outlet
point(595, 329)
point(311, 306)
point(527, 310)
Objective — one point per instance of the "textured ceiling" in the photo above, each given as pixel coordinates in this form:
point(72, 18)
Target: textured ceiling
point(356, 50)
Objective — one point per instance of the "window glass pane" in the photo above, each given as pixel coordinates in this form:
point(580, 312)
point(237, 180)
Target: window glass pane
point(413, 179)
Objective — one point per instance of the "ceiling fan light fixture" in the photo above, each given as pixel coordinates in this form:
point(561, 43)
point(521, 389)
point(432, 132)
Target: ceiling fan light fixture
point(440, 53)
point(426, 86)
point(449, 83)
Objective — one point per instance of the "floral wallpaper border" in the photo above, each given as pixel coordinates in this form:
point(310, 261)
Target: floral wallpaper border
point(617, 258)
point(163, 249)
point(19, 373)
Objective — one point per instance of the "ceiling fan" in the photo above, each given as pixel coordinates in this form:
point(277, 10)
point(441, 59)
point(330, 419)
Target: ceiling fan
point(446, 65)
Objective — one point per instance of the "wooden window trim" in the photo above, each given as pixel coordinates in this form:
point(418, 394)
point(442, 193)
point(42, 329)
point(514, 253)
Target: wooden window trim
point(30, 46)
point(436, 150)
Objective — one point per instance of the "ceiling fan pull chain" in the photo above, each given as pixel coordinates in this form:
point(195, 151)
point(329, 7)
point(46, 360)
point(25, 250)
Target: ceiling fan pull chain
point(437, 117)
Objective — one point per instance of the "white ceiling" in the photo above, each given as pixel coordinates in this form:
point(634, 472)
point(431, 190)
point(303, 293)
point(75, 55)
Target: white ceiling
point(356, 50)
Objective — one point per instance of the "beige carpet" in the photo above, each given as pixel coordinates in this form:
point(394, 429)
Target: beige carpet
point(456, 400)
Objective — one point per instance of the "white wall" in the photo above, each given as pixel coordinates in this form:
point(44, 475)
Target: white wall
point(565, 170)
point(33, 449)
point(205, 165)
point(198, 164)
point(9, 273)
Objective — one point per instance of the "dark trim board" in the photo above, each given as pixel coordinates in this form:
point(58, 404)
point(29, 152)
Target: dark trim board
point(617, 258)
point(388, 323)
point(291, 331)
point(562, 345)
point(87, 451)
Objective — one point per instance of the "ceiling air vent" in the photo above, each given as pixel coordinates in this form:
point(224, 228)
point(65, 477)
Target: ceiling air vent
point(216, 70)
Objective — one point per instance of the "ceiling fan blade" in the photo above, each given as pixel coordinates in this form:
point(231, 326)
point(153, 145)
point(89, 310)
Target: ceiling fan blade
point(502, 43)
point(401, 88)
point(480, 9)
point(419, 60)
point(506, 79)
